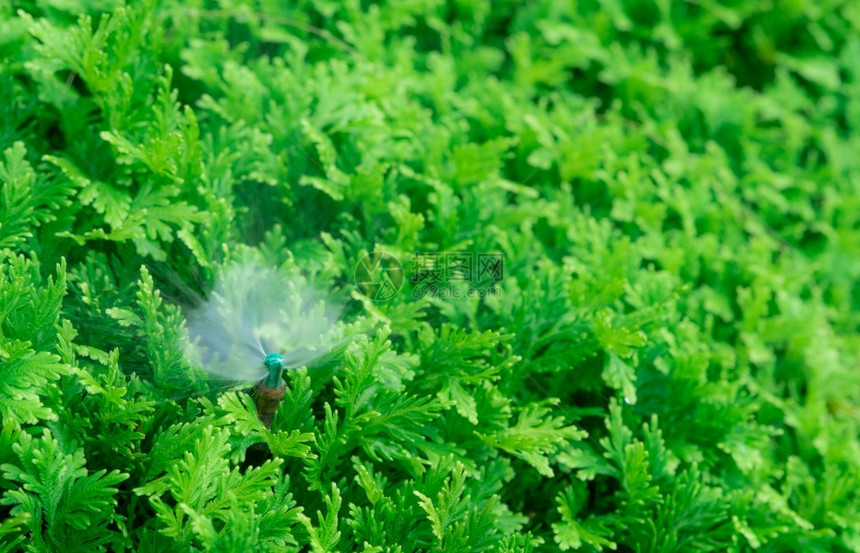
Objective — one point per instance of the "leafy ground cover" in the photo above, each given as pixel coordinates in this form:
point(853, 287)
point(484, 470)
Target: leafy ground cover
point(671, 363)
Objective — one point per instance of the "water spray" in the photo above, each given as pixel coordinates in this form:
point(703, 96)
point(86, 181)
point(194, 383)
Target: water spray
point(257, 323)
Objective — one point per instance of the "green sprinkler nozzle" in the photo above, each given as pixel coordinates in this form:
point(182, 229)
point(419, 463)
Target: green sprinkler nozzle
point(275, 365)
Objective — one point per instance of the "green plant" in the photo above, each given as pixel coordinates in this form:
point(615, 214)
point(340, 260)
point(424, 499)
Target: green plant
point(671, 364)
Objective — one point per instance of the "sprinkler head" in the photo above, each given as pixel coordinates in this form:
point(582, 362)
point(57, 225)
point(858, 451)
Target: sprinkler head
point(275, 365)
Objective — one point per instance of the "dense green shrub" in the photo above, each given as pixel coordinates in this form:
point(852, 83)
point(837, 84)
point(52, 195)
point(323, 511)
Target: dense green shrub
point(673, 363)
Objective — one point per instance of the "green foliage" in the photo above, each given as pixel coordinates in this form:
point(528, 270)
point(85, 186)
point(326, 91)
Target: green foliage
point(670, 363)
point(66, 506)
point(28, 316)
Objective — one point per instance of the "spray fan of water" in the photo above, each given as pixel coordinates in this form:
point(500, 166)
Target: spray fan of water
point(255, 311)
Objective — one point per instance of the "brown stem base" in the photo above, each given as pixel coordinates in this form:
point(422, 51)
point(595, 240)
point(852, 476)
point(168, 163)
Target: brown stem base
point(268, 400)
